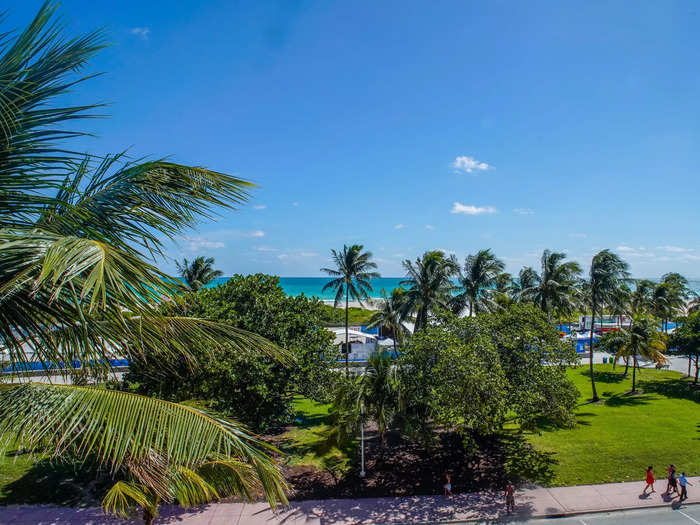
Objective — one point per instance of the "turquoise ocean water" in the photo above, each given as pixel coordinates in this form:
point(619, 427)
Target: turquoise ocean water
point(313, 286)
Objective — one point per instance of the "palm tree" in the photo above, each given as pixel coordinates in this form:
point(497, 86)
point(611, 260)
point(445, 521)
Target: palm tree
point(527, 280)
point(554, 288)
point(608, 272)
point(391, 315)
point(353, 273)
point(693, 303)
point(375, 390)
point(676, 295)
point(199, 272)
point(642, 298)
point(74, 286)
point(642, 340)
point(478, 282)
point(612, 342)
point(429, 285)
point(620, 303)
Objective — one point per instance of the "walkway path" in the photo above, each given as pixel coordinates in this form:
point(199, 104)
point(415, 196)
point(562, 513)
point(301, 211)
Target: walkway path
point(531, 502)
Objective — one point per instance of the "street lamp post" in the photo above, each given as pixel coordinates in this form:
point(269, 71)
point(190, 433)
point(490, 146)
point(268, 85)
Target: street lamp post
point(362, 438)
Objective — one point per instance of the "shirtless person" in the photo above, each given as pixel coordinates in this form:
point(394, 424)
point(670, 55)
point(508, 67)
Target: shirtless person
point(510, 497)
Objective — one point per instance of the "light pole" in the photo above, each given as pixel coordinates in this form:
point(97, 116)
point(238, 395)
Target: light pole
point(362, 438)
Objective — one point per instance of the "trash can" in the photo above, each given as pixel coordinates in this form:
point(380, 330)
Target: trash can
point(605, 360)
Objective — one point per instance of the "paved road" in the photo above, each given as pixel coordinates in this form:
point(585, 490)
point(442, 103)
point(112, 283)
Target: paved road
point(685, 515)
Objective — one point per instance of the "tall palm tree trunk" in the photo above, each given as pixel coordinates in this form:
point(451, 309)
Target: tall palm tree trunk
point(590, 356)
point(347, 336)
point(634, 373)
point(697, 368)
point(627, 365)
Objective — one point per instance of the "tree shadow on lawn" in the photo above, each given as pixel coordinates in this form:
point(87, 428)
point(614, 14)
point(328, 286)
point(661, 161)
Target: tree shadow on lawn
point(629, 399)
point(603, 376)
point(407, 468)
point(680, 388)
point(60, 483)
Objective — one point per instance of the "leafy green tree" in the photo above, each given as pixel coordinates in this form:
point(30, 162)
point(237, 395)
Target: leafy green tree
point(607, 273)
point(470, 373)
point(686, 338)
point(254, 388)
point(74, 235)
point(352, 278)
point(555, 287)
point(391, 315)
point(533, 358)
point(448, 381)
point(429, 285)
point(642, 340)
point(199, 272)
point(478, 283)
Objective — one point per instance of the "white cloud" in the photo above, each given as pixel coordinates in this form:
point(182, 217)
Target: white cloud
point(141, 32)
point(295, 203)
point(469, 209)
point(625, 249)
point(198, 243)
point(399, 226)
point(265, 249)
point(674, 249)
point(256, 234)
point(283, 256)
point(578, 235)
point(524, 211)
point(259, 206)
point(469, 164)
point(308, 254)
point(429, 227)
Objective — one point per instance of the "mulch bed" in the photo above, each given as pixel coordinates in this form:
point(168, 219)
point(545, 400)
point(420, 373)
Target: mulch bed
point(406, 469)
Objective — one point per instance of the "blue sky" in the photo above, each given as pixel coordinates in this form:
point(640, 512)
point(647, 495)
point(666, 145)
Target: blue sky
point(408, 126)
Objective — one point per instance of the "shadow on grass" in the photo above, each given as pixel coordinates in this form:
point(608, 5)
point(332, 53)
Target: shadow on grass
point(628, 399)
point(604, 376)
point(680, 388)
point(51, 482)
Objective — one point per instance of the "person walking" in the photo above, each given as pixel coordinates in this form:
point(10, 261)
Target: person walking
point(672, 481)
point(683, 482)
point(448, 486)
point(510, 497)
point(650, 480)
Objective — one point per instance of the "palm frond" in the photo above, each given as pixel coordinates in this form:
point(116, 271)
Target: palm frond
point(37, 66)
point(119, 428)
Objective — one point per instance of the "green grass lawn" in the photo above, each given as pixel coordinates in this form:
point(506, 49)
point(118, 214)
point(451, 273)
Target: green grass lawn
point(336, 316)
point(310, 442)
point(618, 437)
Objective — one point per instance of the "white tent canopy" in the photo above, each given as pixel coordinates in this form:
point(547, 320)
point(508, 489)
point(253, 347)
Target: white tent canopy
point(340, 335)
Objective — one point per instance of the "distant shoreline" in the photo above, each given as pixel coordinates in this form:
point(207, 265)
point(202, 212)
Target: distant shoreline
point(313, 287)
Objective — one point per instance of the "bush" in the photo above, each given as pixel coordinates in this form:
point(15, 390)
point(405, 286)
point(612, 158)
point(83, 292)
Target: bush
point(253, 388)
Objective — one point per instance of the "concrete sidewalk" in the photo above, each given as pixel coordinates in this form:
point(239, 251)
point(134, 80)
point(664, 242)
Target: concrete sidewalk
point(531, 502)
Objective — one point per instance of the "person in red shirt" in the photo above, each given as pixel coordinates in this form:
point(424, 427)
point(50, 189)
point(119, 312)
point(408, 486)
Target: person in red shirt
point(650, 480)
